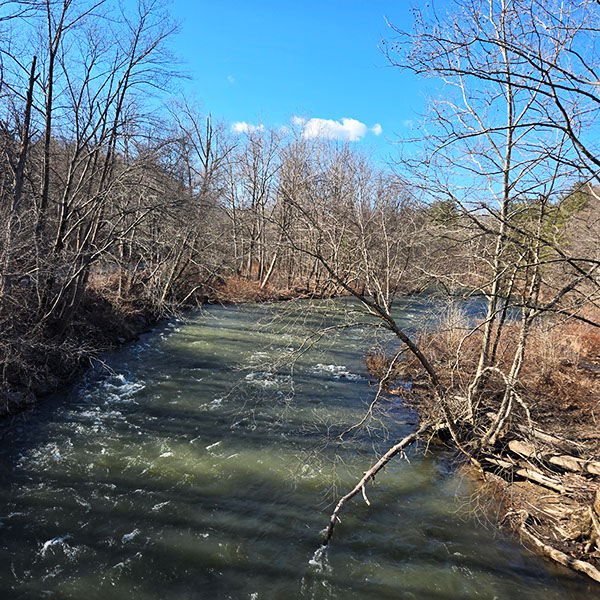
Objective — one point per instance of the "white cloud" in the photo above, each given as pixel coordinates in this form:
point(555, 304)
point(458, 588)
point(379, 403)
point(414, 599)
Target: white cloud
point(243, 127)
point(350, 130)
point(231, 79)
point(346, 129)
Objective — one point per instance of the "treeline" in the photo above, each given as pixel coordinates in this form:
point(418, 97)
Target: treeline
point(121, 203)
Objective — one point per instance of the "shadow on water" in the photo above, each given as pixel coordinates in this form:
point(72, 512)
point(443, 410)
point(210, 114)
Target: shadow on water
point(180, 475)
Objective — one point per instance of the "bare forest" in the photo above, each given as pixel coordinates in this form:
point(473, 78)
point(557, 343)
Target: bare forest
point(123, 202)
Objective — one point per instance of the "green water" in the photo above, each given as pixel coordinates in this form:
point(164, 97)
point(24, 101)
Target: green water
point(194, 466)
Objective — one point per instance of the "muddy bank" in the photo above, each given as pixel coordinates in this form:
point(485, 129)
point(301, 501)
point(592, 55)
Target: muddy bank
point(37, 362)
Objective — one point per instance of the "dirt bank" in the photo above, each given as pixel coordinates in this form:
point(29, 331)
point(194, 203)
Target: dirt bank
point(544, 464)
point(549, 480)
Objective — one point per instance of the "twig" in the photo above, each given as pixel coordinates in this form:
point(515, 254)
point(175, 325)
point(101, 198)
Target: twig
point(561, 557)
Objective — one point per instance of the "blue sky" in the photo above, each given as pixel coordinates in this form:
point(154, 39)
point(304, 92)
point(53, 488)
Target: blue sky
point(265, 60)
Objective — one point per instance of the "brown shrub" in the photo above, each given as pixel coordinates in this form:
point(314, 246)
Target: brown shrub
point(377, 363)
point(238, 289)
point(559, 379)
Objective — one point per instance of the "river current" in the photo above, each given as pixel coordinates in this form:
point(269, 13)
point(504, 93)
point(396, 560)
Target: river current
point(202, 462)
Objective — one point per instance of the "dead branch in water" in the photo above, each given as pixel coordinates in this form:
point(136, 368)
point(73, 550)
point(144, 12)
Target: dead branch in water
point(370, 474)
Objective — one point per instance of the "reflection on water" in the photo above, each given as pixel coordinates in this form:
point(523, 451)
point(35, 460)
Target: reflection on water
point(198, 467)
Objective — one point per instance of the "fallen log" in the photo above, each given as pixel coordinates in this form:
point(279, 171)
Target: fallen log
point(560, 557)
point(527, 472)
point(523, 448)
point(577, 465)
point(551, 440)
point(542, 479)
point(565, 462)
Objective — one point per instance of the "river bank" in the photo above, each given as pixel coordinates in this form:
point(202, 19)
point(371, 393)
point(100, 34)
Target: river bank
point(38, 361)
point(542, 471)
point(547, 469)
point(548, 488)
point(193, 466)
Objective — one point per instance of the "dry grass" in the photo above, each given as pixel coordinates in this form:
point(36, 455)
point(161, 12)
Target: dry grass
point(561, 376)
point(236, 289)
point(559, 380)
point(377, 363)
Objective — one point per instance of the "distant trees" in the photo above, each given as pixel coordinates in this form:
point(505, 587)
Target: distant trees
point(98, 191)
point(116, 198)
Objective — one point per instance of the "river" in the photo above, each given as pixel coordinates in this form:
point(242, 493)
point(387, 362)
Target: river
point(199, 464)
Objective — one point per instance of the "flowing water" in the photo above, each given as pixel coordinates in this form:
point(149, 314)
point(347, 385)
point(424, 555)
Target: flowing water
point(195, 466)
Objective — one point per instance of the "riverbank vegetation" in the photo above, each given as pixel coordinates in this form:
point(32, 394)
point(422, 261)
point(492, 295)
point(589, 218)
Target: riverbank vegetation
point(510, 171)
point(121, 204)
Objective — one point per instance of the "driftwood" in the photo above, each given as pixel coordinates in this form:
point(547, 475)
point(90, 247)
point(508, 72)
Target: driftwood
point(564, 517)
point(526, 471)
point(551, 440)
point(560, 557)
point(577, 465)
point(537, 477)
point(370, 474)
point(549, 461)
point(523, 448)
point(565, 462)
point(501, 462)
